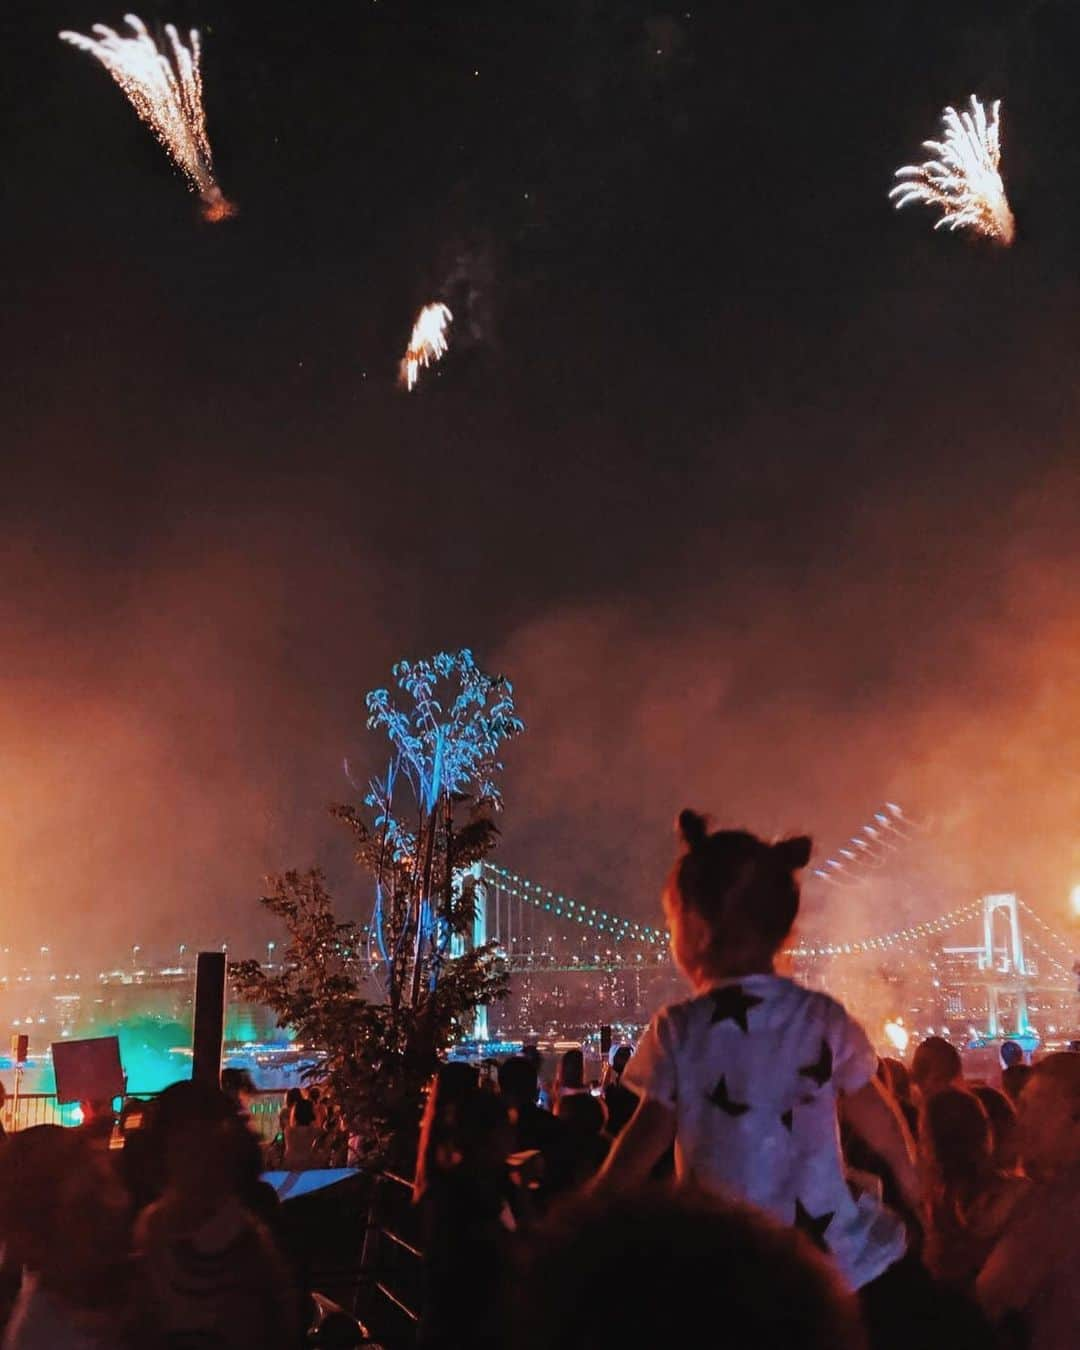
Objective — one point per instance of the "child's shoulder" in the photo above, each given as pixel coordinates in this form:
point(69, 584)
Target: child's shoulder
point(789, 1001)
point(682, 1011)
point(815, 1005)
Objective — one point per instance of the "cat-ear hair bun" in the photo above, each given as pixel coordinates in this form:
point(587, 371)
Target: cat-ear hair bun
point(793, 853)
point(693, 829)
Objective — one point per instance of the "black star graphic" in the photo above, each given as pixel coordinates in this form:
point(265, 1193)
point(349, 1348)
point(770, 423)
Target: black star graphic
point(813, 1225)
point(730, 1004)
point(719, 1097)
point(820, 1072)
point(786, 1120)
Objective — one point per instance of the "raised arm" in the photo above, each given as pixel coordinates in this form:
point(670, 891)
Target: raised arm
point(638, 1148)
point(876, 1119)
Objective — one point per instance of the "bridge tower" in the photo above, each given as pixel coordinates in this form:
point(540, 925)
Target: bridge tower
point(1012, 963)
point(479, 934)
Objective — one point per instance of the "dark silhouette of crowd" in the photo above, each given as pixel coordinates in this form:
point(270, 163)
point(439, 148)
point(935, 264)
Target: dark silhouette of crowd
point(166, 1242)
point(749, 1173)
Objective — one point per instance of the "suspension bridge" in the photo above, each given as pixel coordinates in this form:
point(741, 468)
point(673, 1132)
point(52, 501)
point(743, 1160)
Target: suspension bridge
point(1011, 953)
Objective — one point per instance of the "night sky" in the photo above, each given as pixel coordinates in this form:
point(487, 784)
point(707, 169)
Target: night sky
point(764, 495)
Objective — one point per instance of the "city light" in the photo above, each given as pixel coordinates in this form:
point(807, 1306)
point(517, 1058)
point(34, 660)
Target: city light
point(1074, 901)
point(897, 1035)
point(607, 971)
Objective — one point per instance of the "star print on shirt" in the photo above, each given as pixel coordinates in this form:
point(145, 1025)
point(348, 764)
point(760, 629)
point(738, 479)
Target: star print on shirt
point(820, 1072)
point(719, 1097)
point(730, 1004)
point(813, 1225)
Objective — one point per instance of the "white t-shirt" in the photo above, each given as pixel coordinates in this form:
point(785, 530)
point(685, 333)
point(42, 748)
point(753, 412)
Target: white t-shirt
point(753, 1069)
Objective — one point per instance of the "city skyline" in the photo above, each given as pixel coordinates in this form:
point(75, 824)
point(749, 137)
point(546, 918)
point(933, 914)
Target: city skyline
point(963, 968)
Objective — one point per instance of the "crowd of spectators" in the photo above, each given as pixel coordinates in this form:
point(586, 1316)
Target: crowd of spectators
point(750, 1173)
point(167, 1242)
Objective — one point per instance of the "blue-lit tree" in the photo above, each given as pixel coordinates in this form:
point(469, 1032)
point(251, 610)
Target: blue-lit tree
point(445, 737)
point(446, 723)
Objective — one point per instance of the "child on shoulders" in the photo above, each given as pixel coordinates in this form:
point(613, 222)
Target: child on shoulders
point(749, 1075)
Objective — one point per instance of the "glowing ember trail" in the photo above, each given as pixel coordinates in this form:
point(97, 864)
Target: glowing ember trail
point(964, 178)
point(428, 342)
point(167, 95)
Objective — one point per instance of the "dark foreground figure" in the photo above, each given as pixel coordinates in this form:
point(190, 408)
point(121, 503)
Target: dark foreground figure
point(656, 1268)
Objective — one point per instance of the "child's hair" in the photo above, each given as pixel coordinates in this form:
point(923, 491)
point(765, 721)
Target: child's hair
point(731, 878)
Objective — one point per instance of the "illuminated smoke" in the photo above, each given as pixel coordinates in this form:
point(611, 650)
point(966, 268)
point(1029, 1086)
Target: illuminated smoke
point(167, 95)
point(964, 177)
point(428, 342)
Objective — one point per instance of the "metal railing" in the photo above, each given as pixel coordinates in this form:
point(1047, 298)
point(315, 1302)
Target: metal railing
point(42, 1108)
point(391, 1263)
point(36, 1108)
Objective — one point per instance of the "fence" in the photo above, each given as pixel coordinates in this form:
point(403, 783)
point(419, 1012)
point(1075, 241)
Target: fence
point(37, 1108)
point(42, 1108)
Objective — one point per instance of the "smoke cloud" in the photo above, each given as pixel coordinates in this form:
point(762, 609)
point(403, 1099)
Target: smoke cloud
point(946, 683)
point(174, 721)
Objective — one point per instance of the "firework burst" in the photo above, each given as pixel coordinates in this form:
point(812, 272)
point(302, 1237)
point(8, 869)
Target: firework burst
point(964, 178)
point(167, 95)
point(428, 342)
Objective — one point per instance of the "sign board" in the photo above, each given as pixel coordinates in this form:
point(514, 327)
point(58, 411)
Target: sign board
point(88, 1071)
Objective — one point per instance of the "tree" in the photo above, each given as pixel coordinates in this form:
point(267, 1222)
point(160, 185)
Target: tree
point(415, 954)
point(445, 749)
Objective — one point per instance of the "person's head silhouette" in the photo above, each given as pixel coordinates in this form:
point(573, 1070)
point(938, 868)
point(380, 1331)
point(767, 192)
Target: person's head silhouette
point(1011, 1054)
